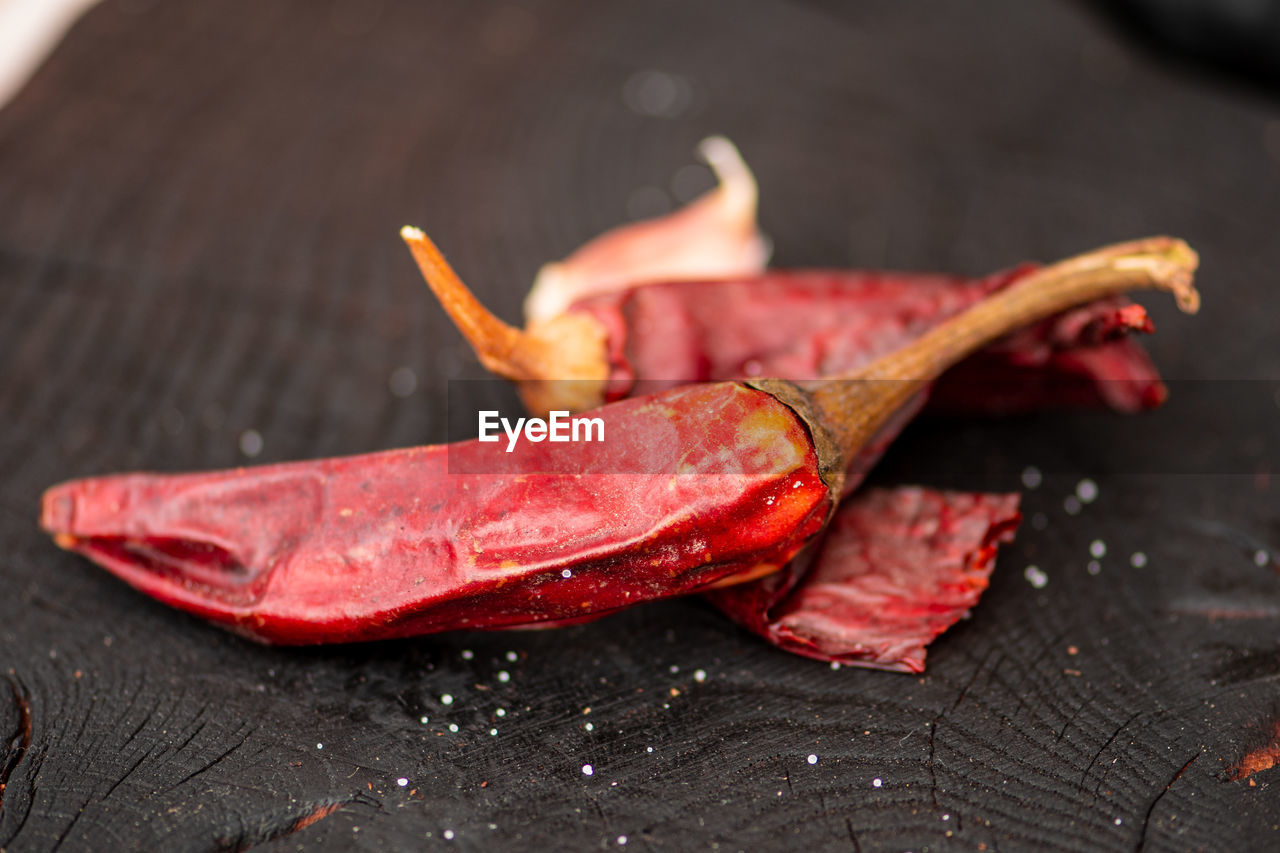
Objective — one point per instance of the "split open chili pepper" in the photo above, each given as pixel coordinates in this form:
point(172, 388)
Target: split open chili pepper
point(737, 479)
point(685, 298)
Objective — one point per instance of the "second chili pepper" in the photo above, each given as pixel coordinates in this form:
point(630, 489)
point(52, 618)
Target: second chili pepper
point(685, 298)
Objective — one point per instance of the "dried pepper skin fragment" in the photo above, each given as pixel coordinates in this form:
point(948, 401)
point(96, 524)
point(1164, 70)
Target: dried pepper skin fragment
point(392, 544)
point(896, 568)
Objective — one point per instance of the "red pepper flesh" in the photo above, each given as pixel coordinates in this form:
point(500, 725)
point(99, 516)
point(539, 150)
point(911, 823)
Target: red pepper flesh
point(392, 544)
point(895, 569)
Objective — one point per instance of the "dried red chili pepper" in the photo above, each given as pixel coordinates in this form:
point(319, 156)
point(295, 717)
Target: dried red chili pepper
point(391, 544)
point(807, 324)
point(684, 298)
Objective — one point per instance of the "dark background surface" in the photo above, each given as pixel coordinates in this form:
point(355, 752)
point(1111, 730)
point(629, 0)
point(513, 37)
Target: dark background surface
point(198, 212)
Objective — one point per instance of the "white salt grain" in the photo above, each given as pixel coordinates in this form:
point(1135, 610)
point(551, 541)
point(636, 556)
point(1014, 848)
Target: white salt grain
point(1035, 577)
point(402, 782)
point(251, 442)
point(446, 699)
point(1138, 559)
point(587, 770)
point(876, 782)
point(1098, 548)
point(1087, 490)
point(813, 759)
point(700, 675)
point(402, 381)
point(504, 676)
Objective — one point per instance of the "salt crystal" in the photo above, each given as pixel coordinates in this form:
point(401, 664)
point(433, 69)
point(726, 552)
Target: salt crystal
point(319, 746)
point(467, 654)
point(512, 656)
point(1087, 490)
point(813, 759)
point(590, 727)
point(493, 732)
point(587, 770)
point(504, 676)
point(566, 573)
point(1138, 559)
point(424, 719)
point(1098, 548)
point(448, 835)
point(453, 727)
point(622, 839)
point(251, 442)
point(402, 782)
point(876, 782)
point(1035, 577)
point(501, 712)
point(700, 675)
point(446, 699)
point(402, 381)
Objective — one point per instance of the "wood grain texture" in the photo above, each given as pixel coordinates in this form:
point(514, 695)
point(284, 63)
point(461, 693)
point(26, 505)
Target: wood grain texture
point(199, 205)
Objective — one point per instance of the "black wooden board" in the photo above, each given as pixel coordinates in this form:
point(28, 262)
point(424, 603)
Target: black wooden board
point(199, 204)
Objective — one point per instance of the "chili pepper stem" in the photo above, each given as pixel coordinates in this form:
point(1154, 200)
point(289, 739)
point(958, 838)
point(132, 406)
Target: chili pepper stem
point(855, 406)
point(561, 359)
